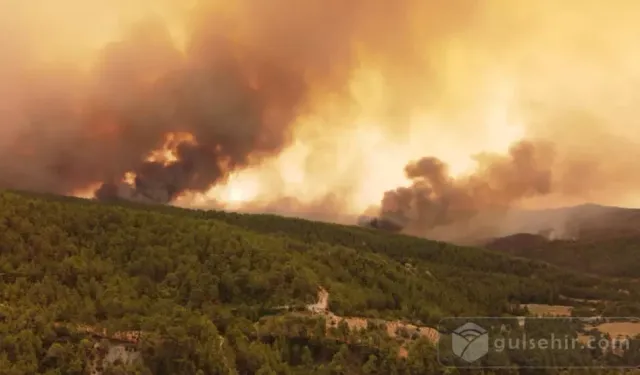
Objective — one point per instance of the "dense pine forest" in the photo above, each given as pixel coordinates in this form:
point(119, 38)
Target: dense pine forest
point(209, 292)
point(611, 256)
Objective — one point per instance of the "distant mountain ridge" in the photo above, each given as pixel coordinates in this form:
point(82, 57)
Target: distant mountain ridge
point(584, 222)
point(595, 239)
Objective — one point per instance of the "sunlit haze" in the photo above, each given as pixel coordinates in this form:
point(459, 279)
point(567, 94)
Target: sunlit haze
point(333, 98)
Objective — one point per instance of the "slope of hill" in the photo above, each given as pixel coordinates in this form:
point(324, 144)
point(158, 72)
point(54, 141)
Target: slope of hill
point(610, 256)
point(587, 222)
point(591, 239)
point(199, 283)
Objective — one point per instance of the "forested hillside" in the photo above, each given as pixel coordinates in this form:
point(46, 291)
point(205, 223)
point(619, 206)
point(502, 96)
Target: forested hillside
point(198, 284)
point(613, 257)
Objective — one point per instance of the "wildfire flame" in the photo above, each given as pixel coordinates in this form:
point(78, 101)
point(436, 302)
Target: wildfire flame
point(247, 105)
point(362, 146)
point(167, 153)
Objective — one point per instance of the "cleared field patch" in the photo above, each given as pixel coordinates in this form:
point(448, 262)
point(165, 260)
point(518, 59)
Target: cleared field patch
point(549, 310)
point(619, 329)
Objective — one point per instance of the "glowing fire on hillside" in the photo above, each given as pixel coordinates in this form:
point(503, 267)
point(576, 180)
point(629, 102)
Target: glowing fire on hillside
point(466, 106)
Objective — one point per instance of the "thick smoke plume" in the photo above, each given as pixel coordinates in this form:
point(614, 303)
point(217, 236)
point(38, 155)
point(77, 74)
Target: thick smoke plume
point(317, 106)
point(247, 72)
point(78, 130)
point(435, 199)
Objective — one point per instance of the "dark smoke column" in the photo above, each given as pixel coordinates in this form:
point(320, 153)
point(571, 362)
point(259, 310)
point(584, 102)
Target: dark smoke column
point(236, 108)
point(434, 199)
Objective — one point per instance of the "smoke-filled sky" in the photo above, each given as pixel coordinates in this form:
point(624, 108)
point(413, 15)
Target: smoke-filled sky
point(433, 110)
